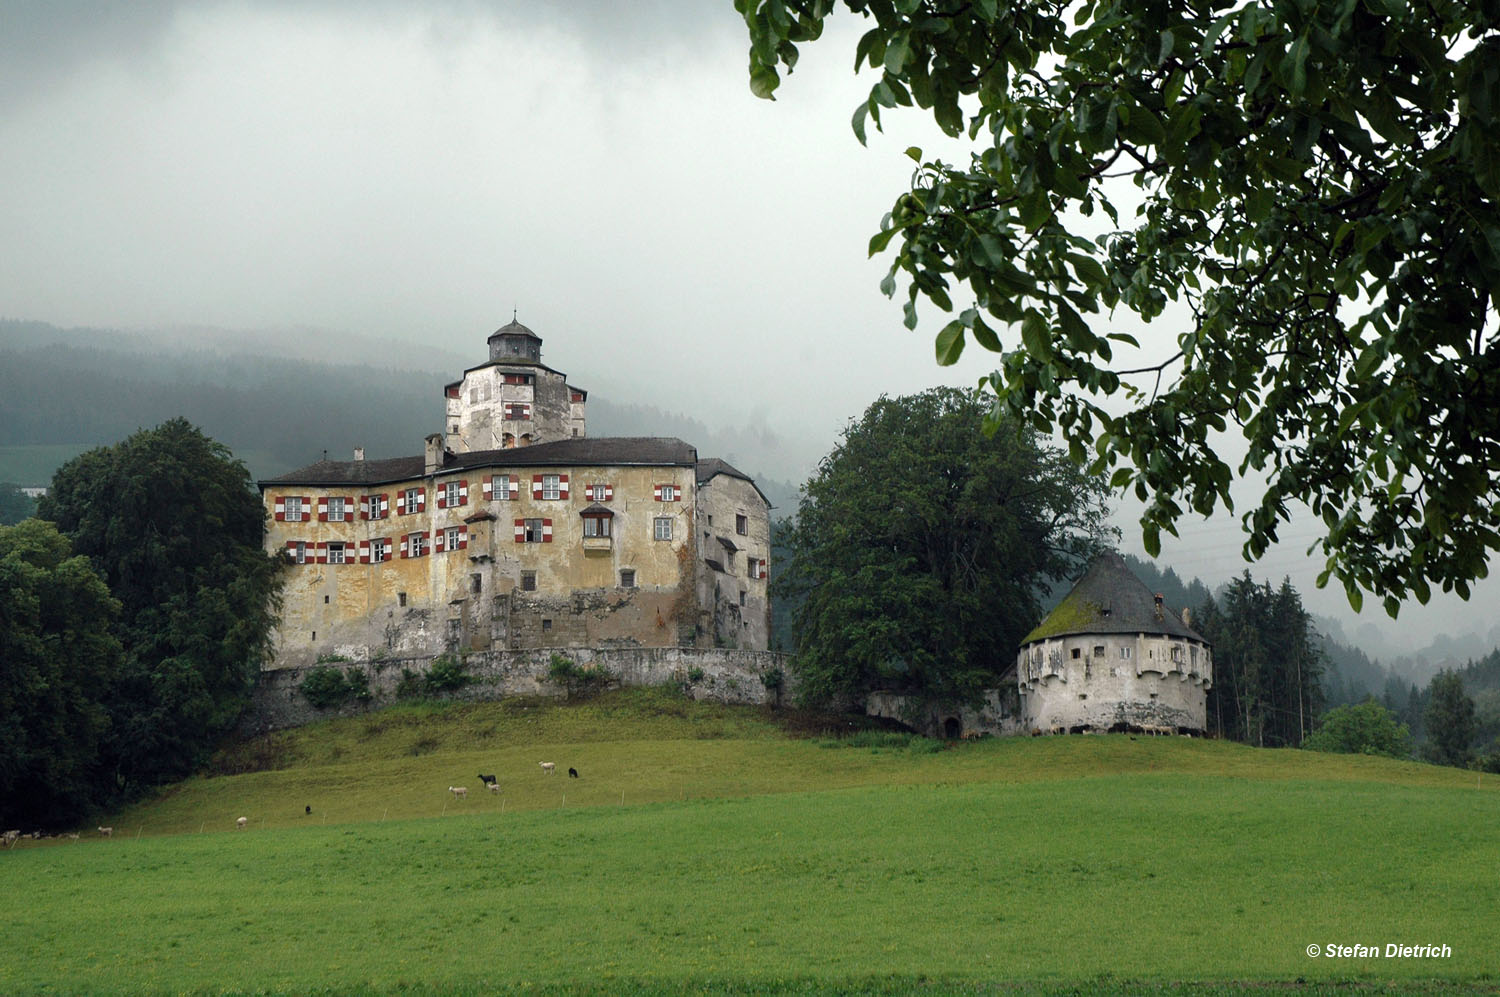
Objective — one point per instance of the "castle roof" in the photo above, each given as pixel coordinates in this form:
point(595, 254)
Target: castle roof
point(515, 328)
point(1109, 599)
point(584, 451)
point(710, 467)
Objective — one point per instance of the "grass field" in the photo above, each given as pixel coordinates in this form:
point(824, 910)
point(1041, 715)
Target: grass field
point(704, 850)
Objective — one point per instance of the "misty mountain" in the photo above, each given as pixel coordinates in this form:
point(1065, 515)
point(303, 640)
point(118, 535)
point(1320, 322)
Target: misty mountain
point(271, 400)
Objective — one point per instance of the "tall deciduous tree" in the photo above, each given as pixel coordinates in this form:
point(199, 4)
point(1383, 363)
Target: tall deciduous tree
point(172, 522)
point(920, 547)
point(1317, 189)
point(58, 658)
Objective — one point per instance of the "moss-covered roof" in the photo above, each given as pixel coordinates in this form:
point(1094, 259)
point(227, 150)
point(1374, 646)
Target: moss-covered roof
point(1109, 599)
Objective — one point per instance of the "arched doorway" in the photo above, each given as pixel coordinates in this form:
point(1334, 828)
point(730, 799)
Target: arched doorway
point(952, 728)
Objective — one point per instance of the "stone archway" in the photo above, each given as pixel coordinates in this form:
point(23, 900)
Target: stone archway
point(953, 728)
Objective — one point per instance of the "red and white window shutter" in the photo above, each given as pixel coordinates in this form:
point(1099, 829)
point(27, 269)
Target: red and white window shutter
point(546, 531)
point(599, 493)
point(520, 531)
point(668, 493)
point(562, 486)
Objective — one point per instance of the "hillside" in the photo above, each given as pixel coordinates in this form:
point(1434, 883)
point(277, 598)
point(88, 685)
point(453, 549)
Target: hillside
point(710, 848)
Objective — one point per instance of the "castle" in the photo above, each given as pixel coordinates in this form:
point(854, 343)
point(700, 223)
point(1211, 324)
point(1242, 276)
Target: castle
point(514, 530)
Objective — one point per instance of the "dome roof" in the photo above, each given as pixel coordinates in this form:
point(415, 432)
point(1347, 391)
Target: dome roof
point(1109, 599)
point(515, 329)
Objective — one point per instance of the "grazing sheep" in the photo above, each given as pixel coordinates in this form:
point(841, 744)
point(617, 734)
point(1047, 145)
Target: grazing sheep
point(11, 837)
point(488, 780)
point(494, 786)
point(458, 791)
point(106, 831)
point(572, 773)
point(242, 823)
point(547, 767)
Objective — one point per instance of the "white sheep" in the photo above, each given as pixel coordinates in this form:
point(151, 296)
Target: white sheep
point(459, 791)
point(11, 837)
point(242, 823)
point(106, 831)
point(494, 786)
point(548, 767)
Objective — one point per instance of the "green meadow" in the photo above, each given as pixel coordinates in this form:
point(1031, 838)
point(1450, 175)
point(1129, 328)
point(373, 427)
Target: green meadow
point(706, 849)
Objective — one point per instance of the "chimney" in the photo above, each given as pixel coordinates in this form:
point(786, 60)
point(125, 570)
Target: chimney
point(434, 454)
point(359, 453)
point(1158, 606)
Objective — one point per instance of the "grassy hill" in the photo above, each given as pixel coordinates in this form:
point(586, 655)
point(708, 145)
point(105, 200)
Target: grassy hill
point(705, 848)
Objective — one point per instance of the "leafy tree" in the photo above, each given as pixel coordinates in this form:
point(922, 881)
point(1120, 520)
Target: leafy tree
point(15, 505)
point(1361, 729)
point(920, 546)
point(1312, 188)
point(171, 521)
point(57, 656)
point(1449, 719)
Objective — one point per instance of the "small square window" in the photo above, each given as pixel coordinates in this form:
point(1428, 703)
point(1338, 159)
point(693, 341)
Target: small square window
point(1077, 652)
point(528, 581)
point(1098, 650)
point(551, 486)
point(662, 529)
point(293, 513)
point(335, 553)
point(627, 578)
point(337, 512)
point(546, 625)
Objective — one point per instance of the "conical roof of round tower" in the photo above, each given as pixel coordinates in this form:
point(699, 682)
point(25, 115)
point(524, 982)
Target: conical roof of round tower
point(1110, 599)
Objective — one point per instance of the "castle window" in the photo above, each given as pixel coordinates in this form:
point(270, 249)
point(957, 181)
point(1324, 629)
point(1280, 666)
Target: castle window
point(599, 493)
point(337, 510)
point(546, 625)
point(596, 526)
point(741, 524)
point(452, 495)
point(627, 578)
point(1098, 650)
point(415, 545)
point(533, 531)
point(298, 550)
point(374, 507)
point(742, 598)
point(476, 583)
point(1124, 652)
point(549, 487)
point(528, 581)
point(380, 550)
point(662, 528)
point(667, 493)
point(335, 553)
point(411, 500)
point(518, 410)
point(1077, 653)
point(453, 538)
point(400, 598)
point(295, 510)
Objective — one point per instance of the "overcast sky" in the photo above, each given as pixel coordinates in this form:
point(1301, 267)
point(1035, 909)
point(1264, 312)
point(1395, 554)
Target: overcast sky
point(413, 173)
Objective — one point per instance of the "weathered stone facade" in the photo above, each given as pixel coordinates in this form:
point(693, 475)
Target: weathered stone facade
point(757, 678)
point(1112, 656)
point(549, 539)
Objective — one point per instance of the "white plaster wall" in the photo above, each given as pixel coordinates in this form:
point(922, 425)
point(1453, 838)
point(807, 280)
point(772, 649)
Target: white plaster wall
point(1139, 680)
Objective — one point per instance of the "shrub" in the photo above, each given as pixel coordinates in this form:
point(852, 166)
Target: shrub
point(1361, 729)
point(447, 674)
point(358, 682)
point(695, 674)
point(577, 681)
point(326, 687)
point(410, 686)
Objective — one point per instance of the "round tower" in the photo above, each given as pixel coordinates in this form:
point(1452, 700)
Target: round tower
point(1113, 657)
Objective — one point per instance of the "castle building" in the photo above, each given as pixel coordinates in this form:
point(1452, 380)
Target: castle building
point(1112, 656)
point(515, 530)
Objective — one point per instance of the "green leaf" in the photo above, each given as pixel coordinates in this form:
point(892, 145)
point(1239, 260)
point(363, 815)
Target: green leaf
point(950, 343)
point(1035, 335)
point(764, 81)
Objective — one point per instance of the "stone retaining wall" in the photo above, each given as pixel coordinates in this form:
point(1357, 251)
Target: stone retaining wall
point(719, 674)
